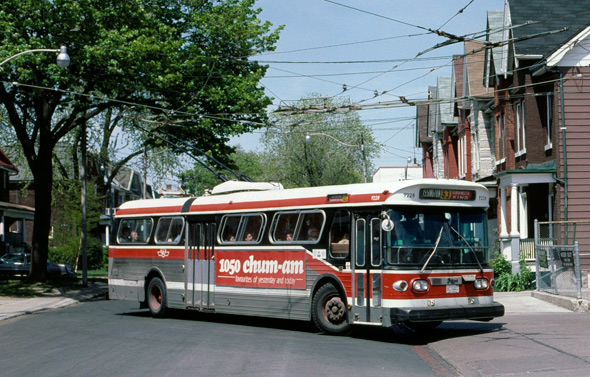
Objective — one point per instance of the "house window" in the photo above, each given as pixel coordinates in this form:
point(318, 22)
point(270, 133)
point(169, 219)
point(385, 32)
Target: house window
point(549, 144)
point(501, 122)
point(520, 130)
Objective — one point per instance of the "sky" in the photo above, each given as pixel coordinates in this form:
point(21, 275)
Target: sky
point(372, 48)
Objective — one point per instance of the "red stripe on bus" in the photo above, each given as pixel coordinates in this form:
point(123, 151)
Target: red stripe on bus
point(136, 253)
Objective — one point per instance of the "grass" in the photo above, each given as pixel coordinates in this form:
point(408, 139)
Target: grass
point(13, 287)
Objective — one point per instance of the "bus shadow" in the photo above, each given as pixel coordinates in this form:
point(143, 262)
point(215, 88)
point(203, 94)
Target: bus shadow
point(398, 334)
point(401, 334)
point(228, 319)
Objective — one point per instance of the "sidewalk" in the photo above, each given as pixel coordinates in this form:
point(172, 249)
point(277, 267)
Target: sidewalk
point(11, 307)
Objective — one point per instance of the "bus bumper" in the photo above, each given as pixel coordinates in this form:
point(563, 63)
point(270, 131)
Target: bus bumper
point(473, 312)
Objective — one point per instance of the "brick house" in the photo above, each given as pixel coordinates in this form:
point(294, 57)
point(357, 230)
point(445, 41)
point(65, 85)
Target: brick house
point(16, 217)
point(525, 110)
point(544, 66)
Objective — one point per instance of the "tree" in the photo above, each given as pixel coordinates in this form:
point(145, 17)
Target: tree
point(249, 164)
point(331, 155)
point(181, 65)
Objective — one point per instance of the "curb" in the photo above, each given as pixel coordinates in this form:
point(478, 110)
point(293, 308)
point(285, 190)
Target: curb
point(569, 303)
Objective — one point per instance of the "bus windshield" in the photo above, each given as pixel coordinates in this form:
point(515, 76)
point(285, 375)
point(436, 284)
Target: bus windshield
point(436, 237)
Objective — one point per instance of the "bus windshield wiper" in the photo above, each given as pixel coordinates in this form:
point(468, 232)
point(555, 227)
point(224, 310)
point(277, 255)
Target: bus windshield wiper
point(469, 246)
point(433, 250)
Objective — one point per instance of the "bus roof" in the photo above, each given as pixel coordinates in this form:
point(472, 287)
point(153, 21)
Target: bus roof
point(252, 197)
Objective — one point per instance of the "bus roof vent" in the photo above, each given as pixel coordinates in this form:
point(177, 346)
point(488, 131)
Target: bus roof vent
point(239, 186)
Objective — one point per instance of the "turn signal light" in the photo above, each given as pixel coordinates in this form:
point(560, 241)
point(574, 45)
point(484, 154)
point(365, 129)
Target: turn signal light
point(400, 285)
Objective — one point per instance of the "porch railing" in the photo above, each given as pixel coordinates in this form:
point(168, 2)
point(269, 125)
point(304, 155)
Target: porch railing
point(527, 247)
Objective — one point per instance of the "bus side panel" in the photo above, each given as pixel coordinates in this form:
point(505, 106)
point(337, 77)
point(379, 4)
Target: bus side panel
point(262, 283)
point(127, 278)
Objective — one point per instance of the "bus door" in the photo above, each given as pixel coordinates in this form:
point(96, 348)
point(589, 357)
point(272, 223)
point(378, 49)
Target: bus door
point(200, 265)
point(366, 268)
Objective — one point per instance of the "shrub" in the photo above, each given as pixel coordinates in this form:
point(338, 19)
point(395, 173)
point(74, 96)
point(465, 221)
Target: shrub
point(506, 281)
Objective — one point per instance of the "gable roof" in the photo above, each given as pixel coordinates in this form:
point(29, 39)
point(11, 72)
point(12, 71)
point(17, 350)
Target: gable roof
point(6, 164)
point(551, 15)
point(446, 94)
point(475, 71)
point(495, 25)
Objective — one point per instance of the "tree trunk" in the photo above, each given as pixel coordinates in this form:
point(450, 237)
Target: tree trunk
point(43, 176)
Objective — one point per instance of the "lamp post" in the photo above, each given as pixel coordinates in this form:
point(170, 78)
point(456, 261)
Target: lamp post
point(407, 163)
point(308, 136)
point(63, 59)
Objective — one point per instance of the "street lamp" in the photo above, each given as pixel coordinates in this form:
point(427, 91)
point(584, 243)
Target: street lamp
point(362, 146)
point(63, 59)
point(407, 163)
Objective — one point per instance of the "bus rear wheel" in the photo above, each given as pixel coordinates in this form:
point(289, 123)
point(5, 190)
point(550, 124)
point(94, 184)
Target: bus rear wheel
point(329, 311)
point(156, 298)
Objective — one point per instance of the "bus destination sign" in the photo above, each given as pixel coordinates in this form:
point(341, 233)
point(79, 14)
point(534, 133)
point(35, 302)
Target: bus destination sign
point(443, 194)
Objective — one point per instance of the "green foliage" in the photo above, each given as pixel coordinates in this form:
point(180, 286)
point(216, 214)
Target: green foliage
point(66, 241)
point(249, 164)
point(182, 67)
point(332, 155)
point(501, 265)
point(508, 282)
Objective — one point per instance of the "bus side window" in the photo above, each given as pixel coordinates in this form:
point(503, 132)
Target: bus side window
point(340, 234)
point(134, 230)
point(229, 228)
point(242, 228)
point(253, 227)
point(310, 226)
point(169, 230)
point(284, 226)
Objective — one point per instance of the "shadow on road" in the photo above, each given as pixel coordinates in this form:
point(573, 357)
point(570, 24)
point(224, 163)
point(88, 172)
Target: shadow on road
point(397, 334)
point(400, 334)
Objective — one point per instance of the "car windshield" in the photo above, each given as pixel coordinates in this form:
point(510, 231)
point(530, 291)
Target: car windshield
point(13, 258)
point(436, 237)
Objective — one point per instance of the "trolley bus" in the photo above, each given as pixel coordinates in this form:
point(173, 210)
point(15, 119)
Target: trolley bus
point(412, 252)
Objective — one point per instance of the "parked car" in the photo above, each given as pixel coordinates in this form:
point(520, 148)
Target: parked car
point(19, 264)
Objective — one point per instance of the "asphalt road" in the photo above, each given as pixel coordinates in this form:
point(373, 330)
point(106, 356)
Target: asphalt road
point(114, 338)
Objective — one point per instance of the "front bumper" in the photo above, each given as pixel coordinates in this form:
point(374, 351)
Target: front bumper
point(473, 312)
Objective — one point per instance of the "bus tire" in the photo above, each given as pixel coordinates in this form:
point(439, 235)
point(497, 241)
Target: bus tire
point(156, 298)
point(329, 312)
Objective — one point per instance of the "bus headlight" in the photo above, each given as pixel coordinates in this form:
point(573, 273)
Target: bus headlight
point(400, 285)
point(481, 284)
point(420, 285)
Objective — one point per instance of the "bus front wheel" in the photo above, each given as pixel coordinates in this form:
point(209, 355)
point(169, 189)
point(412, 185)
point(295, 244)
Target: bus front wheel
point(329, 311)
point(156, 297)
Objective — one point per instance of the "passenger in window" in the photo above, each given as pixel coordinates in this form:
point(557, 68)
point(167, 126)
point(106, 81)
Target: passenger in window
point(134, 236)
point(162, 235)
point(289, 237)
point(313, 233)
point(126, 234)
point(248, 237)
point(345, 238)
point(175, 239)
point(231, 238)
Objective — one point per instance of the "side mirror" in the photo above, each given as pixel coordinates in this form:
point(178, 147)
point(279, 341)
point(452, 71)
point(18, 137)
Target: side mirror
point(387, 225)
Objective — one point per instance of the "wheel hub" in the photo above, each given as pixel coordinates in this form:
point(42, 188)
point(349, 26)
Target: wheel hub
point(335, 309)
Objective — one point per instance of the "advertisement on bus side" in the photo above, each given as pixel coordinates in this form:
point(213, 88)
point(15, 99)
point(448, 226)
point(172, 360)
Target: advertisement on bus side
point(264, 269)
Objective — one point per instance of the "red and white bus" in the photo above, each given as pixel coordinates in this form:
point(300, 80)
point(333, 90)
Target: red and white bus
point(413, 252)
